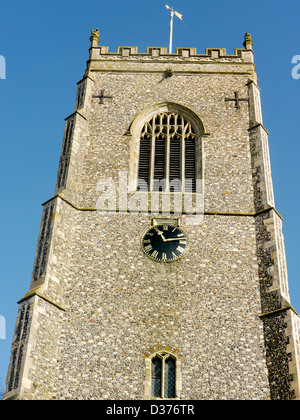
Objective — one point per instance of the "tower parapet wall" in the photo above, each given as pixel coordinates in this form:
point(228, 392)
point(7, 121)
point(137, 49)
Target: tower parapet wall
point(127, 58)
point(210, 53)
point(185, 60)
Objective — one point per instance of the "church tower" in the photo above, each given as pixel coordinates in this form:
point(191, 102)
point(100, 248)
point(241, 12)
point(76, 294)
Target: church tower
point(160, 269)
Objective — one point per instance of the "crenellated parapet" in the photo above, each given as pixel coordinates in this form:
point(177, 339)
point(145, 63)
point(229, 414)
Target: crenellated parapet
point(127, 51)
point(245, 53)
point(183, 60)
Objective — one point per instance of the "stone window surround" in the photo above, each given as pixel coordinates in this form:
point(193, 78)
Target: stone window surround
point(165, 128)
point(163, 354)
point(136, 129)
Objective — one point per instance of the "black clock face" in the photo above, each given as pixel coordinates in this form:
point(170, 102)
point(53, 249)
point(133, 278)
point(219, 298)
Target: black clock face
point(165, 243)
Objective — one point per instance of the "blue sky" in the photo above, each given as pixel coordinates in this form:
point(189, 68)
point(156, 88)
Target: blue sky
point(45, 46)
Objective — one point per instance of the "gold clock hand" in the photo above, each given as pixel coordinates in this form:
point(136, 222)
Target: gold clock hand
point(173, 239)
point(162, 235)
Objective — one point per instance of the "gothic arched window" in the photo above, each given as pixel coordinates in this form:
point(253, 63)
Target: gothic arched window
point(168, 154)
point(163, 373)
point(163, 376)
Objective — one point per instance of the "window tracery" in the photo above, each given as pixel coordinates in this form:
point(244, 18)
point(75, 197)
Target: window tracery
point(167, 155)
point(163, 373)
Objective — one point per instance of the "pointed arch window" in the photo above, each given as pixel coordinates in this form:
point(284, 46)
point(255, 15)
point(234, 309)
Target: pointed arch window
point(163, 376)
point(163, 373)
point(168, 158)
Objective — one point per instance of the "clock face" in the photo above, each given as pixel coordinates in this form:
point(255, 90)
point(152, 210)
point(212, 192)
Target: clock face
point(164, 243)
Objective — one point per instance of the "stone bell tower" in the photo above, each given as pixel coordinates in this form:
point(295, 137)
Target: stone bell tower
point(160, 268)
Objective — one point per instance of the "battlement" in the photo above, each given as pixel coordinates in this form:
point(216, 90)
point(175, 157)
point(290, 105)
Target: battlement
point(214, 53)
point(184, 60)
point(244, 55)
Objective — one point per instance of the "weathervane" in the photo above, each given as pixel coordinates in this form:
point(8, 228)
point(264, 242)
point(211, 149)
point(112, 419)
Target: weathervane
point(172, 12)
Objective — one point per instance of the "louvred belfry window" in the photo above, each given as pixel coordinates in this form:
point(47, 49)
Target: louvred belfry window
point(167, 157)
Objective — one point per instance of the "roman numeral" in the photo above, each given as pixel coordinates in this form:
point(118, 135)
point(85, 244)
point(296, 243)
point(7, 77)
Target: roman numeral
point(148, 248)
point(154, 254)
point(180, 249)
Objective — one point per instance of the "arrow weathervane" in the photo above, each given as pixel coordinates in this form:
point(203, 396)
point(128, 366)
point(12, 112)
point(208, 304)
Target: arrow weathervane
point(172, 12)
